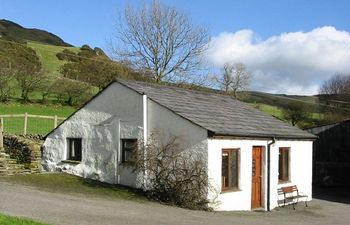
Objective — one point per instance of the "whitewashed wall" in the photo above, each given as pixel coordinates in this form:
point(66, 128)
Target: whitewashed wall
point(300, 166)
point(116, 113)
point(165, 124)
point(235, 200)
point(300, 170)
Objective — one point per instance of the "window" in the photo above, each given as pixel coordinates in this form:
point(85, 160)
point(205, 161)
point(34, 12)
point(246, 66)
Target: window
point(74, 149)
point(128, 147)
point(283, 165)
point(229, 170)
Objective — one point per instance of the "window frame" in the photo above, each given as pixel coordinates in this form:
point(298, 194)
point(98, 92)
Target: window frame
point(71, 142)
point(284, 177)
point(123, 141)
point(236, 170)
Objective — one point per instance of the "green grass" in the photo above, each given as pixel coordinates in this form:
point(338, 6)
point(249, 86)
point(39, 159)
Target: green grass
point(278, 113)
point(12, 220)
point(69, 184)
point(47, 54)
point(34, 125)
point(37, 109)
point(269, 109)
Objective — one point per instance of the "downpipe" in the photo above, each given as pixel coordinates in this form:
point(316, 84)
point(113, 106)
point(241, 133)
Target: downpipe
point(273, 141)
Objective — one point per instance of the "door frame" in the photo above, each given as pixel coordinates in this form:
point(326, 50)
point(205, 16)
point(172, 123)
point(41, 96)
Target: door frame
point(262, 180)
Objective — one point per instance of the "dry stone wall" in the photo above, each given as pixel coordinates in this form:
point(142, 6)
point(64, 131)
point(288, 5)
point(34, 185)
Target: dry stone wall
point(20, 155)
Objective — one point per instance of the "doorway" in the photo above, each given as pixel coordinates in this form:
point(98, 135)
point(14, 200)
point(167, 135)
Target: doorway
point(256, 177)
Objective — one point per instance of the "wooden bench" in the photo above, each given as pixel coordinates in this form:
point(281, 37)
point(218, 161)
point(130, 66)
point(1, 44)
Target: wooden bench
point(291, 195)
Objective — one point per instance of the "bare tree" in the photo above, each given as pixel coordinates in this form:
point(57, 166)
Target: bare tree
point(6, 81)
point(296, 112)
point(29, 81)
point(235, 77)
point(161, 41)
point(172, 174)
point(336, 85)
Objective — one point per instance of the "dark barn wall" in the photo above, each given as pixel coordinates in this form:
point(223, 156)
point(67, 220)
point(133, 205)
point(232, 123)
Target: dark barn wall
point(332, 154)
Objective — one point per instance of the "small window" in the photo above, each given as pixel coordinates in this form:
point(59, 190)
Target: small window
point(128, 148)
point(74, 149)
point(229, 170)
point(283, 164)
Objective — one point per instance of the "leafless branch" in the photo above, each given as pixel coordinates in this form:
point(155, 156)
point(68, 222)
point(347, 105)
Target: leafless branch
point(161, 40)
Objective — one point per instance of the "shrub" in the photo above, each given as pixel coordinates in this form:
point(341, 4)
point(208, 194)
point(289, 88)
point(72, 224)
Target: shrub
point(173, 175)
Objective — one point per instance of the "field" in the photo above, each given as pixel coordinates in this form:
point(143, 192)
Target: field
point(37, 109)
point(34, 126)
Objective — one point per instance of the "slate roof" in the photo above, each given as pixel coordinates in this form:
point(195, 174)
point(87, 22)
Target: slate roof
point(220, 114)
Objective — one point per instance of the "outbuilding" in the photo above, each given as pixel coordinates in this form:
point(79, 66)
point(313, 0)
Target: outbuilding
point(249, 154)
point(331, 156)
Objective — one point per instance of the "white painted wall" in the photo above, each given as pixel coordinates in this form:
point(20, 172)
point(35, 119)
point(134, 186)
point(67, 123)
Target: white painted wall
point(235, 200)
point(116, 113)
point(300, 169)
point(166, 124)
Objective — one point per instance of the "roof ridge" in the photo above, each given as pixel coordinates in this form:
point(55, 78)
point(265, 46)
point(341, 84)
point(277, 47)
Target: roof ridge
point(173, 86)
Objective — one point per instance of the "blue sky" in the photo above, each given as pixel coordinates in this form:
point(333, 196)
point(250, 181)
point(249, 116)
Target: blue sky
point(92, 22)
point(80, 21)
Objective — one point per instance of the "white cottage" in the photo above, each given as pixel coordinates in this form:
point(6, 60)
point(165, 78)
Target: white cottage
point(249, 154)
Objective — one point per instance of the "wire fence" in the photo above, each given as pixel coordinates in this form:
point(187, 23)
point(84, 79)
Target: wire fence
point(29, 124)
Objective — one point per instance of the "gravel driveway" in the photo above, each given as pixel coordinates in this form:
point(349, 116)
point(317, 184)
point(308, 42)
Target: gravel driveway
point(19, 200)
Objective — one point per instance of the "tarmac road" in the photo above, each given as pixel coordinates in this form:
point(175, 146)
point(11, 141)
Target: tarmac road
point(24, 201)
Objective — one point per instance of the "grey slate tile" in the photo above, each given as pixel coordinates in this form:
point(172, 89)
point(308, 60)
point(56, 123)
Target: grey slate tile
point(220, 114)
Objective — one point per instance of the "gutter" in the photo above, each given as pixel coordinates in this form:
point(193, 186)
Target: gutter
point(273, 141)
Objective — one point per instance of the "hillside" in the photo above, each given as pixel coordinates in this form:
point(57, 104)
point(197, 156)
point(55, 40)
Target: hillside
point(47, 54)
point(10, 30)
point(322, 109)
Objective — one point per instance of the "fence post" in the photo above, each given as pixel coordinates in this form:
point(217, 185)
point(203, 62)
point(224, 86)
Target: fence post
point(25, 123)
point(55, 122)
point(1, 134)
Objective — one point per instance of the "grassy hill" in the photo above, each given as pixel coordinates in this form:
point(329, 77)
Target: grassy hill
point(47, 54)
point(322, 109)
point(10, 29)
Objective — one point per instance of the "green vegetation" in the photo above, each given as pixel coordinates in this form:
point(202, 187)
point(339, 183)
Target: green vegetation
point(47, 54)
point(269, 109)
point(36, 109)
point(69, 184)
point(93, 66)
point(320, 110)
point(12, 220)
point(35, 125)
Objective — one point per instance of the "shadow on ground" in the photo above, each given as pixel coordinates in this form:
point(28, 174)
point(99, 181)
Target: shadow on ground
point(333, 194)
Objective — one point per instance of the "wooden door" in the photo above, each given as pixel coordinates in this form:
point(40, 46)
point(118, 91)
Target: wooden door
point(256, 177)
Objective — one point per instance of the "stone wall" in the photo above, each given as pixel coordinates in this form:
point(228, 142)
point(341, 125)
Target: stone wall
point(20, 155)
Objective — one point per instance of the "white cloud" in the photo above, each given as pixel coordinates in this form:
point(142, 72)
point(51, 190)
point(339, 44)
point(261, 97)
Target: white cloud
point(292, 63)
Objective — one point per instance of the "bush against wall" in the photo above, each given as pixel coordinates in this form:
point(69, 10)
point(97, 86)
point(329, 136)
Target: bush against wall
point(173, 174)
point(25, 149)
